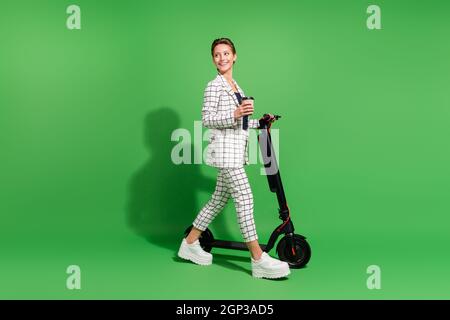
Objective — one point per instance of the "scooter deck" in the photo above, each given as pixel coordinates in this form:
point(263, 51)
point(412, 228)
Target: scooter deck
point(236, 245)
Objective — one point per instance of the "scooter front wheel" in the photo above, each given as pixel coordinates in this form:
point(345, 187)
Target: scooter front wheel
point(206, 238)
point(294, 250)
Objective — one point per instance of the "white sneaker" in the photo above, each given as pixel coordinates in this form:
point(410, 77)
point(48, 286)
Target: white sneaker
point(194, 253)
point(268, 267)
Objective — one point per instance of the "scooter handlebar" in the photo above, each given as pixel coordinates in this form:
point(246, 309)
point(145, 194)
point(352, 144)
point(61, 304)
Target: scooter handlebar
point(266, 120)
point(267, 117)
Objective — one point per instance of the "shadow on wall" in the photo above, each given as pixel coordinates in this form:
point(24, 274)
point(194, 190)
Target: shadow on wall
point(162, 199)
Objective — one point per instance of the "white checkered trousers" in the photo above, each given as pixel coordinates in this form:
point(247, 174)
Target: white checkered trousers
point(227, 151)
point(233, 183)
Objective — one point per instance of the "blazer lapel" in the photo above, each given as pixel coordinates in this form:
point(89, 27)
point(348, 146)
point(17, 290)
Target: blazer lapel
point(230, 91)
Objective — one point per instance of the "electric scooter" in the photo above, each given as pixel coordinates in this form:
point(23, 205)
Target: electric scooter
point(292, 248)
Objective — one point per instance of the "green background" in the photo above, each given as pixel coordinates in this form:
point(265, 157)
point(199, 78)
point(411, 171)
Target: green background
point(85, 123)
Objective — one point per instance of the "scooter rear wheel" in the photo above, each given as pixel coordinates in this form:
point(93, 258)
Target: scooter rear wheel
point(206, 238)
point(297, 255)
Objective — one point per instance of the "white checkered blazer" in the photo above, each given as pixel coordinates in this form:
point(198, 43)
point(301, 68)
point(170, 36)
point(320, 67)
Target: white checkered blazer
point(228, 142)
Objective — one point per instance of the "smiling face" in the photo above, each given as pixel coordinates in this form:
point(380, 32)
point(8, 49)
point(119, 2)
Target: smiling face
point(223, 57)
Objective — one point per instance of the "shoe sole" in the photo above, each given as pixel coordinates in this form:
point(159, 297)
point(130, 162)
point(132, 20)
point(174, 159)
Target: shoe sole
point(196, 260)
point(270, 275)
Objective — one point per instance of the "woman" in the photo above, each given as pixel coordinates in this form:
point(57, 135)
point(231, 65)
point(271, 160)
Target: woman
point(223, 112)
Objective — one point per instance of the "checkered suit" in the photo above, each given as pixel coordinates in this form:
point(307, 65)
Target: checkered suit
point(228, 142)
point(227, 151)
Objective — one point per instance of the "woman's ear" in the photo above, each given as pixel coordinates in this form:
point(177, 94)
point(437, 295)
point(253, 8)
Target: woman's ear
point(235, 58)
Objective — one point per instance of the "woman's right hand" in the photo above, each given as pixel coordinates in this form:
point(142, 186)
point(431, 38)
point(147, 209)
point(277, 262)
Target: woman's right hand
point(245, 109)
